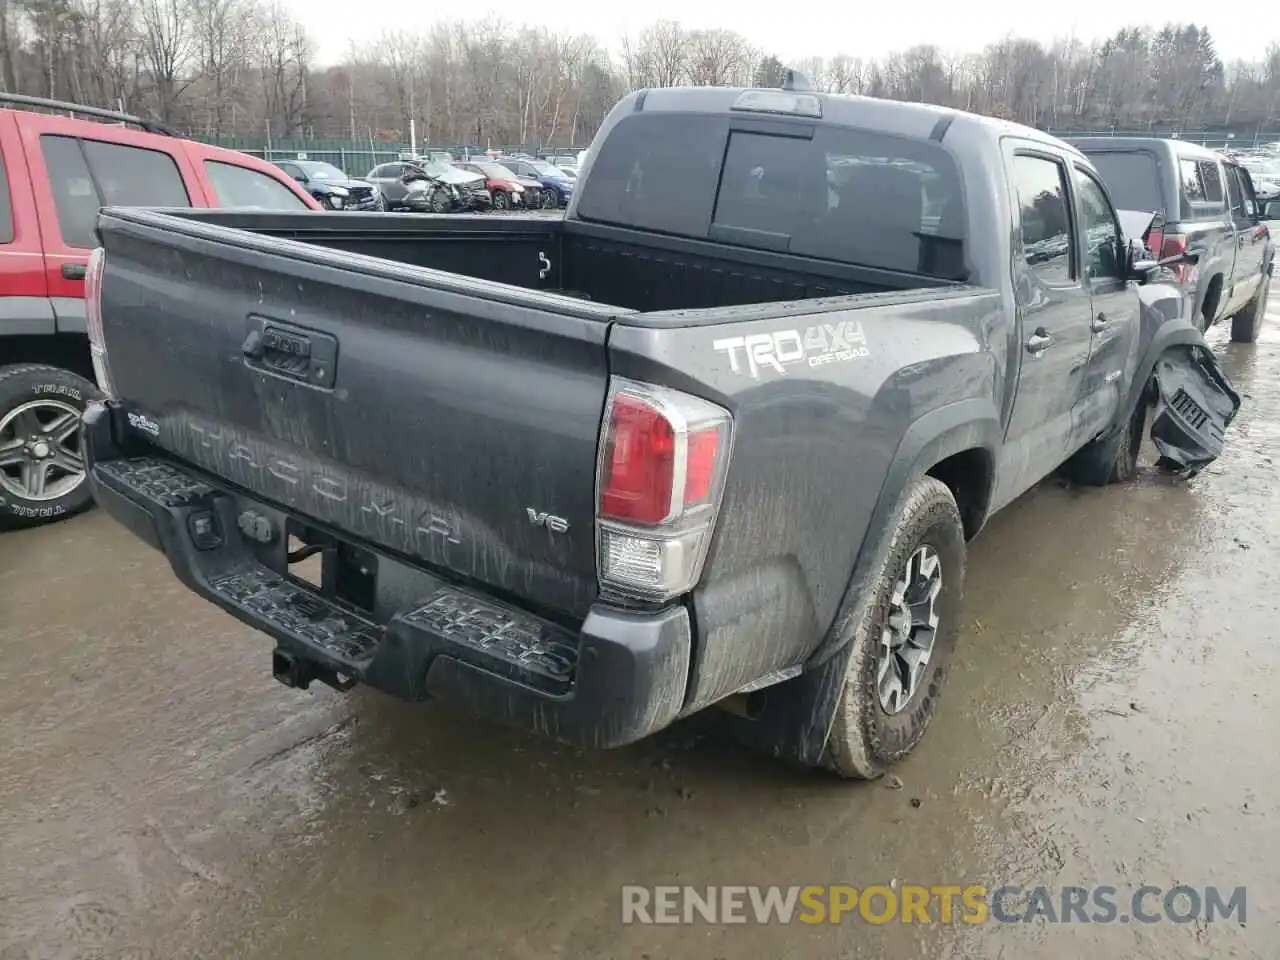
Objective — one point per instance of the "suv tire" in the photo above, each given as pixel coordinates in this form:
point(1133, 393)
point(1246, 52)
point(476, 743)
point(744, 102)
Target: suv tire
point(35, 446)
point(928, 546)
point(1247, 324)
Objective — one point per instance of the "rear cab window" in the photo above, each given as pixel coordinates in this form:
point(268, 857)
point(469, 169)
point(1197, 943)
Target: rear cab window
point(86, 175)
point(819, 191)
point(236, 186)
point(1132, 178)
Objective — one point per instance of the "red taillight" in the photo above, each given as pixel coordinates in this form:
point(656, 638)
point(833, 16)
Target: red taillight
point(1175, 245)
point(663, 456)
point(639, 463)
point(93, 320)
point(1172, 246)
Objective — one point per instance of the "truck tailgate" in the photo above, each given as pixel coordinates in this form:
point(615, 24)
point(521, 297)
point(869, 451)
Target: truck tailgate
point(383, 401)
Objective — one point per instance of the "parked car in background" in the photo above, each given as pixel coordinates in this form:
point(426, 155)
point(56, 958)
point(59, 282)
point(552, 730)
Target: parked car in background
point(55, 174)
point(557, 185)
point(332, 187)
point(1206, 205)
point(1265, 173)
point(504, 186)
point(405, 185)
point(568, 166)
point(471, 186)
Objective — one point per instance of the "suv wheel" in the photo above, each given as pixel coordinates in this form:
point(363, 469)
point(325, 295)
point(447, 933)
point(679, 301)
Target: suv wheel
point(42, 475)
point(902, 638)
point(1247, 324)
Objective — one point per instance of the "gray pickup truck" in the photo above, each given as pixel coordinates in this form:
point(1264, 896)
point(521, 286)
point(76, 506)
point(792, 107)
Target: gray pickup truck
point(719, 436)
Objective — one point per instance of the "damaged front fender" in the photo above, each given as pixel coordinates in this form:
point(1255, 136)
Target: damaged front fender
point(1195, 403)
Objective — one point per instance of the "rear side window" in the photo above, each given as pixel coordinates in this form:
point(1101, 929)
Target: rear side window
point(86, 175)
point(1235, 194)
point(1132, 179)
point(1212, 181)
point(134, 177)
point(844, 195)
point(1046, 222)
point(1192, 185)
point(6, 207)
point(237, 186)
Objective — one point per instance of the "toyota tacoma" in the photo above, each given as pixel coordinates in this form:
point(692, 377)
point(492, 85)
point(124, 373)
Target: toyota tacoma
point(719, 436)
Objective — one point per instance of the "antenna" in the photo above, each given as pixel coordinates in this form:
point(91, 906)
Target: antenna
point(794, 81)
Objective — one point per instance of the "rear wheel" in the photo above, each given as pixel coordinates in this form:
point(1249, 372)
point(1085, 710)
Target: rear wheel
point(902, 639)
point(42, 475)
point(1247, 324)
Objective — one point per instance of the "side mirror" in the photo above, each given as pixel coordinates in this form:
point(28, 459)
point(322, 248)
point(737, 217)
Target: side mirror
point(1144, 269)
point(300, 177)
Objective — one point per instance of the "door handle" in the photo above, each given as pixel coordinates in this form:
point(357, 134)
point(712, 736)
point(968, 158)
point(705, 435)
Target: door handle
point(73, 271)
point(1039, 342)
point(1099, 323)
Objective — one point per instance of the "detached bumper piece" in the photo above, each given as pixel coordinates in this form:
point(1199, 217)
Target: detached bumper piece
point(617, 679)
point(1195, 404)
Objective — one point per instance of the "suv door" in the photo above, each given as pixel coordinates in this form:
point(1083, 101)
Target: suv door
point(388, 180)
point(74, 173)
point(1053, 314)
point(24, 294)
point(1114, 301)
point(1251, 236)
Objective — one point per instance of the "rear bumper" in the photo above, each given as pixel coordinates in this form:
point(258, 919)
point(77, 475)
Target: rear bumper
point(618, 678)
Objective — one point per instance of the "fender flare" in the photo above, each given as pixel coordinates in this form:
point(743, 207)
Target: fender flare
point(795, 717)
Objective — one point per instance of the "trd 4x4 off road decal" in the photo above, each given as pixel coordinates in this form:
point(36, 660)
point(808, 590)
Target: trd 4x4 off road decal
point(814, 346)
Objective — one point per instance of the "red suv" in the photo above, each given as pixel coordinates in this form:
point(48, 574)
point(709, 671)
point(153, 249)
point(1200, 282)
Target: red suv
point(55, 174)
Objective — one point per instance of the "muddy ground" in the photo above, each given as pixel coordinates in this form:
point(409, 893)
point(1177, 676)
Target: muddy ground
point(1112, 720)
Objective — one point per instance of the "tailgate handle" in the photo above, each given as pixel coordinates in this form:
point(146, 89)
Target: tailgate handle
point(73, 271)
point(286, 350)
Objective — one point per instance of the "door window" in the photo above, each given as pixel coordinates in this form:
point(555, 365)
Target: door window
point(86, 175)
point(1102, 234)
point(290, 170)
point(237, 186)
point(1047, 242)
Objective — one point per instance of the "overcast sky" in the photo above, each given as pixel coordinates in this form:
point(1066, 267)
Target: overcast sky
point(794, 30)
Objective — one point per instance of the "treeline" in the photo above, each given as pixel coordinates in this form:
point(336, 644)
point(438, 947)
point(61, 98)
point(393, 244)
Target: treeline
point(247, 67)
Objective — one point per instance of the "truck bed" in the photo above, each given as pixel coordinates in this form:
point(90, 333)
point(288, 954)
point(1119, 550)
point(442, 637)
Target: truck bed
point(607, 265)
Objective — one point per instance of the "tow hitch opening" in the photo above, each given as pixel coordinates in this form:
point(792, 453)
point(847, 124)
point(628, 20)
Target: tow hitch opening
point(298, 672)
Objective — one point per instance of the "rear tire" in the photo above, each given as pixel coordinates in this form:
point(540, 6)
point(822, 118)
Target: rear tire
point(1247, 324)
point(35, 448)
point(872, 728)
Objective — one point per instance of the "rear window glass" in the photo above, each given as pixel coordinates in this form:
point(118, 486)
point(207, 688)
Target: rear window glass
point(1132, 179)
point(844, 195)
